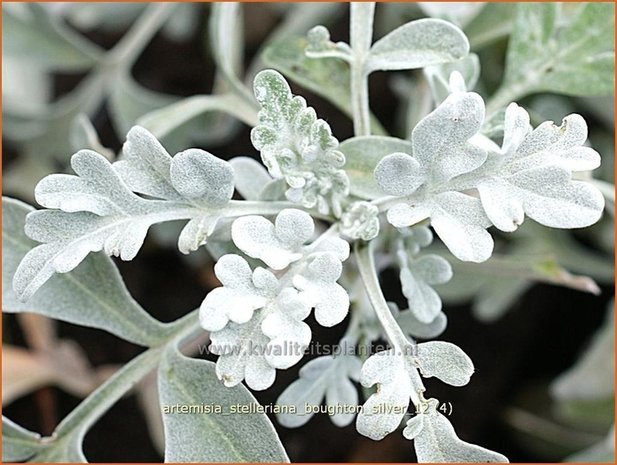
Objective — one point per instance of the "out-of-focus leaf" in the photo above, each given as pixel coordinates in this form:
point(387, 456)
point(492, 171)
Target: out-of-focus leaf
point(84, 136)
point(250, 177)
point(148, 398)
point(26, 89)
point(492, 23)
point(65, 366)
point(593, 375)
point(458, 13)
point(577, 58)
point(32, 33)
point(129, 101)
point(603, 451)
point(418, 44)
point(163, 121)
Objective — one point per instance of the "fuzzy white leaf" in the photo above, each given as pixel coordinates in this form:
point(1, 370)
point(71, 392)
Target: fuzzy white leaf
point(145, 165)
point(243, 292)
point(360, 221)
point(363, 154)
point(399, 174)
point(284, 326)
point(417, 44)
point(547, 195)
point(318, 285)
point(276, 244)
point(324, 377)
point(458, 219)
point(457, 76)
point(461, 223)
point(440, 140)
point(532, 175)
point(196, 232)
point(99, 211)
point(410, 324)
point(444, 361)
point(275, 337)
point(297, 146)
point(241, 354)
point(92, 295)
point(437, 442)
point(387, 370)
point(414, 425)
point(417, 276)
point(402, 215)
point(199, 175)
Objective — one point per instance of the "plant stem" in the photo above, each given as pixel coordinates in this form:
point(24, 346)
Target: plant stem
point(126, 51)
point(256, 207)
point(402, 346)
point(76, 424)
point(360, 38)
point(359, 102)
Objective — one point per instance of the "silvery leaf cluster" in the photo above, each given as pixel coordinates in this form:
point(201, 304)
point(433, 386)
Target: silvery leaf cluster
point(110, 207)
point(419, 273)
point(326, 378)
point(464, 183)
point(297, 146)
point(257, 317)
point(396, 377)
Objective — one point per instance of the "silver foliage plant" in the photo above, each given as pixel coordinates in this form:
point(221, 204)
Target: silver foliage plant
point(305, 238)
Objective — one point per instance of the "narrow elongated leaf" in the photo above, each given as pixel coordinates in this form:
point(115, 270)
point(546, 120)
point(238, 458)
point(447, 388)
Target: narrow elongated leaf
point(198, 436)
point(18, 444)
point(163, 121)
point(92, 295)
point(418, 44)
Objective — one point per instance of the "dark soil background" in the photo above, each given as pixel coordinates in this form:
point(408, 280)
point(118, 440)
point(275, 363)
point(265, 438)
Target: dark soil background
point(538, 339)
